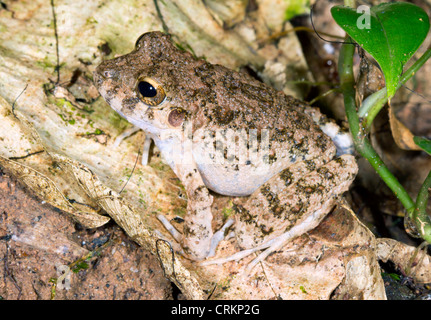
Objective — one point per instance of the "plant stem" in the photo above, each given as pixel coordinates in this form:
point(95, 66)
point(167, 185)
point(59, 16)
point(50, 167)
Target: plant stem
point(375, 102)
point(415, 67)
point(362, 143)
point(367, 151)
point(347, 84)
point(420, 215)
point(415, 211)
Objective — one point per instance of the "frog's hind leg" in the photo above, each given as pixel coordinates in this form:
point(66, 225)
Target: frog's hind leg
point(308, 224)
point(267, 221)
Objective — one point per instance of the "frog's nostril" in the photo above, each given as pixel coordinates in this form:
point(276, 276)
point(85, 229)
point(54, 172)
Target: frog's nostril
point(107, 74)
point(104, 72)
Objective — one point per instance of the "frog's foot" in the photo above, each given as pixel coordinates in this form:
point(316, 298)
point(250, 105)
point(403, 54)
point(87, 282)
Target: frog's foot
point(124, 135)
point(146, 150)
point(215, 239)
point(174, 232)
point(147, 143)
point(219, 236)
point(274, 244)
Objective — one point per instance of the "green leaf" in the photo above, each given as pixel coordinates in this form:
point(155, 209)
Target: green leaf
point(425, 144)
point(80, 266)
point(390, 32)
point(394, 276)
point(295, 8)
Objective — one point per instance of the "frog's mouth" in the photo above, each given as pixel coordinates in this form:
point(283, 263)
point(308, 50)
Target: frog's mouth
point(97, 79)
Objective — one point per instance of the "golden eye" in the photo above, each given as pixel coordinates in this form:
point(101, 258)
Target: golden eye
point(150, 92)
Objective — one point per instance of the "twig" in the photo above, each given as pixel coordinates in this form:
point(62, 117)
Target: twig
point(13, 104)
point(57, 67)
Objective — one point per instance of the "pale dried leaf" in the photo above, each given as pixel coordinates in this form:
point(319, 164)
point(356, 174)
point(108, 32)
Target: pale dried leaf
point(225, 46)
point(411, 261)
point(336, 260)
point(129, 219)
point(46, 190)
point(42, 237)
point(229, 12)
point(402, 135)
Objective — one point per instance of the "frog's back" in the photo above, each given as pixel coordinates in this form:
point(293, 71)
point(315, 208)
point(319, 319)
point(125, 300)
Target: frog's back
point(213, 99)
point(244, 110)
point(219, 100)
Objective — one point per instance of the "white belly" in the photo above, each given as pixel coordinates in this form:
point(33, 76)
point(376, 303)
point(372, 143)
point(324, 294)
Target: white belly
point(237, 176)
point(228, 181)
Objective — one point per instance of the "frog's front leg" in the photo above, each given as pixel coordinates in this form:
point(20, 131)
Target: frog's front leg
point(197, 239)
point(197, 234)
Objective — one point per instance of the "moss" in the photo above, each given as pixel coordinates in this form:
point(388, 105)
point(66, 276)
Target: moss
point(3, 28)
point(61, 102)
point(303, 289)
point(95, 133)
point(116, 120)
point(49, 63)
point(91, 20)
point(228, 211)
point(180, 211)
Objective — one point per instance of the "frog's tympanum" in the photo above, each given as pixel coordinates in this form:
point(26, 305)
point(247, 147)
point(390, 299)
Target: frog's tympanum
point(225, 131)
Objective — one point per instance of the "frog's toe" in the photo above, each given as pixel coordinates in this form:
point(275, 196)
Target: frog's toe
point(219, 236)
point(215, 240)
point(268, 247)
point(235, 257)
point(274, 245)
point(174, 232)
point(124, 135)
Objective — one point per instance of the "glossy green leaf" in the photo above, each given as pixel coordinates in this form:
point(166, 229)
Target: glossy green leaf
point(423, 143)
point(390, 32)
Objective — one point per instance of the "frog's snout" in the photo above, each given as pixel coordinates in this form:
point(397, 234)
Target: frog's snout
point(97, 78)
point(103, 73)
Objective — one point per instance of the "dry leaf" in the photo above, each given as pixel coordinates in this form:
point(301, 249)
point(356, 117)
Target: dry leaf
point(412, 261)
point(402, 135)
point(46, 189)
point(130, 220)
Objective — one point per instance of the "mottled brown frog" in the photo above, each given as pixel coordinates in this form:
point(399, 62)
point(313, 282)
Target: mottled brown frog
point(223, 130)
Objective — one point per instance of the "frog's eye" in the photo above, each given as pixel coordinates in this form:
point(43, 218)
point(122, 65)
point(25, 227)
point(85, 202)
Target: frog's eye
point(138, 40)
point(150, 92)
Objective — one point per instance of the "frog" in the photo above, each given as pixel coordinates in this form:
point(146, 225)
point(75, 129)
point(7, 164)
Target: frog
point(226, 132)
